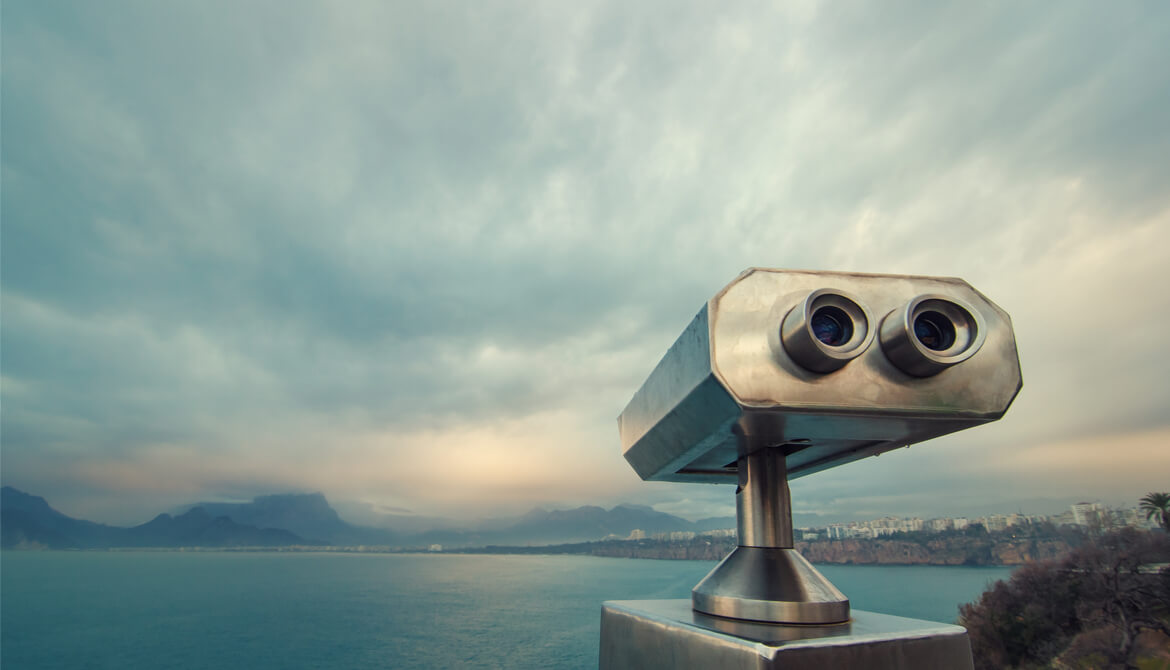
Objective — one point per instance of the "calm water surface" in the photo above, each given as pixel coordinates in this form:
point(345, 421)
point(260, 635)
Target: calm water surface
point(263, 610)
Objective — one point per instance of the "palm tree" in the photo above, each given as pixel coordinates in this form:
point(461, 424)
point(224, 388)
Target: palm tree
point(1157, 507)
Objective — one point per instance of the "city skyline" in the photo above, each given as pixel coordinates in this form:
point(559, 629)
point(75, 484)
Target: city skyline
point(418, 258)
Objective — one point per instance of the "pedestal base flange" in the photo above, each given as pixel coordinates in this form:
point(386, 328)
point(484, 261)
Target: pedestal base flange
point(772, 585)
point(653, 634)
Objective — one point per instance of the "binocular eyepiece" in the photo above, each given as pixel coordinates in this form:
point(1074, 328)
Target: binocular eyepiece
point(922, 338)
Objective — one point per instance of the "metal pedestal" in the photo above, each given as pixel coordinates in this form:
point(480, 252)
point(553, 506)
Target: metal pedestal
point(651, 634)
point(764, 578)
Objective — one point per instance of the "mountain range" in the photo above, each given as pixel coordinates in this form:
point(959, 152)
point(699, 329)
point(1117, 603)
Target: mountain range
point(308, 519)
point(28, 521)
point(307, 515)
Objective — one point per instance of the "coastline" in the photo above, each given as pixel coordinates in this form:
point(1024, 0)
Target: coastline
point(985, 550)
point(982, 549)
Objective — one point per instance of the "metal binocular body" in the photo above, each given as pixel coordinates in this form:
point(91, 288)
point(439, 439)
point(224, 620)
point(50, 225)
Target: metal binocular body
point(786, 373)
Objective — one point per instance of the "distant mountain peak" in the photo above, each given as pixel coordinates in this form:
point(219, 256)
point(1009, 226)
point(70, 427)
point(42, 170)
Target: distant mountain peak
point(308, 515)
point(15, 499)
point(301, 503)
point(10, 493)
point(640, 508)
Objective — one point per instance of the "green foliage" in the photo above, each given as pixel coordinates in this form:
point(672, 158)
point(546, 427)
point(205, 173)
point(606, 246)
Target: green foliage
point(1157, 507)
point(1093, 603)
point(1024, 621)
point(975, 530)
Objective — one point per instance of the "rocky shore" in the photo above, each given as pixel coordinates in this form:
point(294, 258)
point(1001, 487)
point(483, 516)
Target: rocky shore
point(987, 550)
point(975, 548)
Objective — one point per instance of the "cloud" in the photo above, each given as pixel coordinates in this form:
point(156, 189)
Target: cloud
point(240, 261)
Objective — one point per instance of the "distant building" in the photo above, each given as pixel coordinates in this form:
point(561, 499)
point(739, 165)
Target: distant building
point(1086, 514)
point(637, 534)
point(840, 532)
point(1134, 518)
point(995, 522)
point(940, 525)
point(682, 535)
point(435, 547)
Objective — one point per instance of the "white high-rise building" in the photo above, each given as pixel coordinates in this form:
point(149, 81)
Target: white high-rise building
point(1086, 514)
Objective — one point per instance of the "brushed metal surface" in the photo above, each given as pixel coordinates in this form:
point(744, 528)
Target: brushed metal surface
point(769, 584)
point(682, 410)
point(765, 579)
point(763, 503)
point(653, 634)
point(728, 382)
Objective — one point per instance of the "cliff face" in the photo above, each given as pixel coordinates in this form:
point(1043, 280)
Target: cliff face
point(872, 551)
point(1017, 553)
point(942, 551)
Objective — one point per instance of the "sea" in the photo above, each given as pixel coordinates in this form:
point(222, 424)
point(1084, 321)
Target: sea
point(349, 610)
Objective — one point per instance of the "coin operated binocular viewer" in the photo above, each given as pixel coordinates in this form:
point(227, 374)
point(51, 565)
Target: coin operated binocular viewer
point(783, 374)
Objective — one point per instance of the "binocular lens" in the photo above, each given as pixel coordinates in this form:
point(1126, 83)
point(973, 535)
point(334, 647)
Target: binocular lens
point(931, 333)
point(934, 331)
point(831, 326)
point(826, 330)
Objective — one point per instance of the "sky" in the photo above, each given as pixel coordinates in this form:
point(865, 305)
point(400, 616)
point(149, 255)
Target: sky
point(419, 256)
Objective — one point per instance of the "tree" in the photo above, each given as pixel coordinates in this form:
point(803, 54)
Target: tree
point(1157, 507)
point(1121, 592)
point(1023, 622)
point(1101, 606)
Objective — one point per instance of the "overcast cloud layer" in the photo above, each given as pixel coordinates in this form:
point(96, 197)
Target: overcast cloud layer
point(420, 255)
